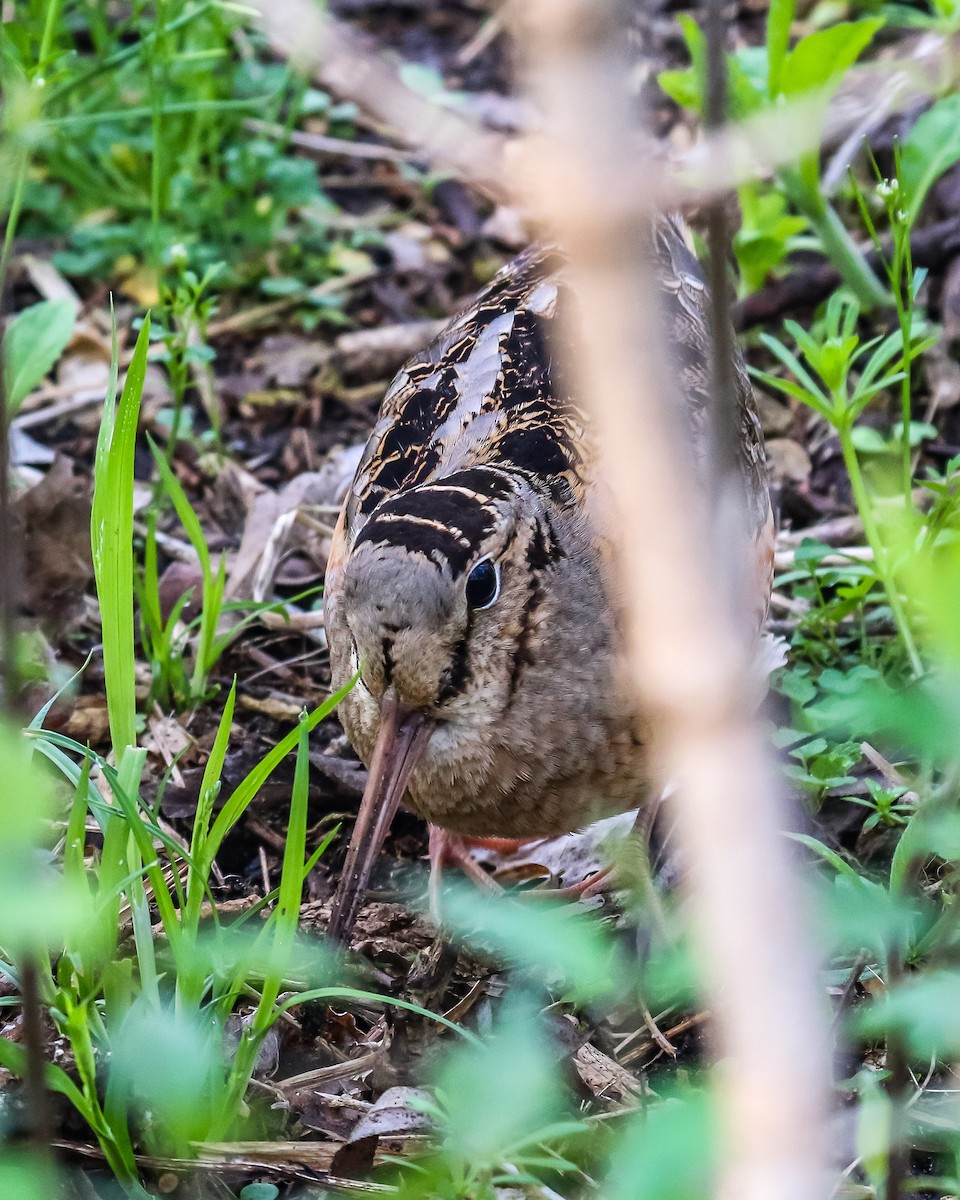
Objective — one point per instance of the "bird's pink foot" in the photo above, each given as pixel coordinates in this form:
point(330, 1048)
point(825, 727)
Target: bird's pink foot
point(450, 849)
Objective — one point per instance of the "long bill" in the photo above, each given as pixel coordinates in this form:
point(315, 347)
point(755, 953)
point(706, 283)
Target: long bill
point(401, 740)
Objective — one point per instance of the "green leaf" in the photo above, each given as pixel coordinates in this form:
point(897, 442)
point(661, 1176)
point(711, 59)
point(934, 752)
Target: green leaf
point(111, 540)
point(667, 1152)
point(259, 1191)
point(779, 20)
point(188, 518)
point(931, 147)
point(33, 342)
point(919, 431)
point(926, 1013)
point(840, 865)
point(169, 1065)
point(38, 908)
point(766, 234)
point(822, 58)
point(555, 940)
point(247, 789)
point(682, 87)
point(746, 82)
point(870, 441)
point(687, 87)
point(503, 1091)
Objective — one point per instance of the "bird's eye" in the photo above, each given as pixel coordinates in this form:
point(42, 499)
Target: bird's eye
point(483, 584)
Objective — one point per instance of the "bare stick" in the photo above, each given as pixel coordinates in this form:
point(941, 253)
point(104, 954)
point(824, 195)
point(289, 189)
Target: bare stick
point(346, 64)
point(689, 665)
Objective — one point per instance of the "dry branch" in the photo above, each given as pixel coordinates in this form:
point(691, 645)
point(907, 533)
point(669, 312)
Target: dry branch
point(689, 665)
point(347, 65)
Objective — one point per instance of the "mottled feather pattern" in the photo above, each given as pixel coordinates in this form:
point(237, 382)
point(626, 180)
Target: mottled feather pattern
point(487, 391)
point(480, 455)
point(483, 394)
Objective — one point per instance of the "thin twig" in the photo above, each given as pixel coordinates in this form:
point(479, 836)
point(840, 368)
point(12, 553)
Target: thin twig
point(318, 143)
point(727, 487)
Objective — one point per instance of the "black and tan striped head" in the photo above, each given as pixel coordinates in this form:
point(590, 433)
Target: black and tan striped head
point(440, 589)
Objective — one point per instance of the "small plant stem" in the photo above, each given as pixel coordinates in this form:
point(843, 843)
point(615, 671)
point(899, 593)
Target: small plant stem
point(13, 217)
point(846, 257)
point(862, 499)
point(23, 162)
point(157, 59)
point(898, 1157)
point(46, 40)
point(839, 246)
point(113, 1138)
point(902, 279)
point(110, 62)
point(10, 550)
point(35, 1092)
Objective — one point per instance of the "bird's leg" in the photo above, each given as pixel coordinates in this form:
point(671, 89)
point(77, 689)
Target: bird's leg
point(595, 884)
point(639, 837)
point(450, 849)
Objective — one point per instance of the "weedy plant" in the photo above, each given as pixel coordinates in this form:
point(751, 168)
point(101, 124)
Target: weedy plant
point(777, 217)
point(888, 907)
point(893, 918)
point(837, 378)
point(107, 979)
point(501, 1111)
point(149, 107)
point(183, 654)
point(759, 79)
point(169, 642)
point(186, 308)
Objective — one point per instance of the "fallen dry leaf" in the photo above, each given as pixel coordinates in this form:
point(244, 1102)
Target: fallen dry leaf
point(55, 517)
point(396, 1114)
point(788, 460)
point(271, 529)
point(601, 1076)
point(167, 739)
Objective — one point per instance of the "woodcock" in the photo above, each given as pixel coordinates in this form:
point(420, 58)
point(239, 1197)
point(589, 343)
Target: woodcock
point(467, 586)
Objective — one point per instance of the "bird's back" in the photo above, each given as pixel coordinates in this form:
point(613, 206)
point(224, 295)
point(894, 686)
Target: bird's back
point(488, 391)
point(485, 393)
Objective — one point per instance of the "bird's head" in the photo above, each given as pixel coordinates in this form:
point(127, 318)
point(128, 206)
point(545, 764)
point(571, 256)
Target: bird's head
point(434, 611)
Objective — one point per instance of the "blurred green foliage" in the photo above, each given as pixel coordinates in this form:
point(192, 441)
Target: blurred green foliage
point(151, 136)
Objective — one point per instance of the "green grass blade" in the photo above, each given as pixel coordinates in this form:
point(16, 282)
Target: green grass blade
point(245, 791)
point(41, 714)
point(207, 652)
point(74, 868)
point(295, 844)
point(347, 993)
point(150, 590)
point(184, 509)
point(111, 539)
point(209, 789)
point(285, 921)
